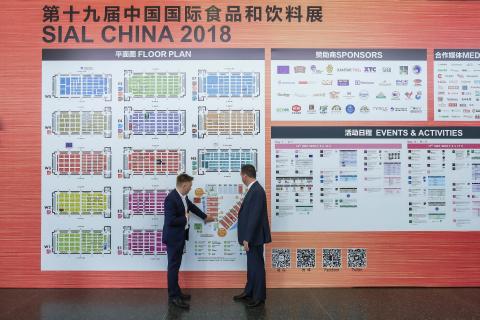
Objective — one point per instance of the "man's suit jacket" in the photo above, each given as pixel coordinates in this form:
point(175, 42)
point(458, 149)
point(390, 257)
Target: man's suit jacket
point(175, 220)
point(253, 217)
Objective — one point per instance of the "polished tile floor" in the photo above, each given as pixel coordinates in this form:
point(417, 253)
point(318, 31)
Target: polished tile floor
point(211, 304)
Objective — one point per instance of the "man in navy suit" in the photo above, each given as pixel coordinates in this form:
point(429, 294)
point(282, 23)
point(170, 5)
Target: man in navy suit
point(253, 233)
point(175, 231)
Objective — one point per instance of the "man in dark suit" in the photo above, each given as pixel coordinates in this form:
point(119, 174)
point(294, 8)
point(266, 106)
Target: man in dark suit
point(175, 231)
point(253, 233)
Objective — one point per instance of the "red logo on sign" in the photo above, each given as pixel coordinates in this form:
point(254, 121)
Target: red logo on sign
point(296, 108)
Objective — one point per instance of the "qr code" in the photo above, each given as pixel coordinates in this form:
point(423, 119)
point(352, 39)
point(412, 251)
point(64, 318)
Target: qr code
point(281, 258)
point(357, 258)
point(332, 258)
point(306, 258)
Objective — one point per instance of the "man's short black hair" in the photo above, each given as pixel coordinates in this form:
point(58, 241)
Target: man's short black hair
point(182, 178)
point(249, 171)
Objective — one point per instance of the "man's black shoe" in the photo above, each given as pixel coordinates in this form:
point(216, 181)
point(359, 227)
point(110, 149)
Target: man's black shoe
point(255, 303)
point(185, 296)
point(178, 302)
point(242, 296)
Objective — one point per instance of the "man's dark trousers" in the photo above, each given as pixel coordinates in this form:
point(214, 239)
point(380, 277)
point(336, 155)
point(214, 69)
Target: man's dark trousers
point(256, 281)
point(174, 253)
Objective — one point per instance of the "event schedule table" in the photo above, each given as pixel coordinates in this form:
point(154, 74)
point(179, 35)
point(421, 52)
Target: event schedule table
point(366, 179)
